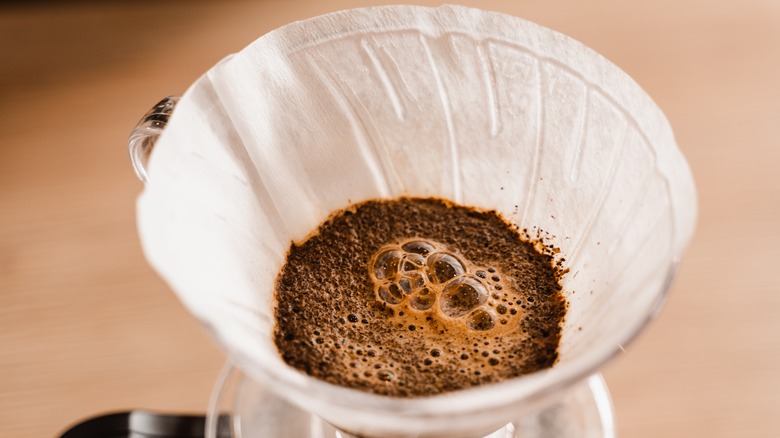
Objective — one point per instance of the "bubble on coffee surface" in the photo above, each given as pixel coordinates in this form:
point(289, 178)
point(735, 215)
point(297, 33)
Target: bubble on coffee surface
point(425, 276)
point(443, 267)
point(481, 320)
point(422, 300)
point(385, 264)
point(461, 296)
point(390, 293)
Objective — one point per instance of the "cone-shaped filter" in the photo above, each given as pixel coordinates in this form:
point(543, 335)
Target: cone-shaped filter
point(480, 108)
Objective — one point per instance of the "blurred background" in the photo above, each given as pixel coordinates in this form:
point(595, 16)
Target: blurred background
point(86, 326)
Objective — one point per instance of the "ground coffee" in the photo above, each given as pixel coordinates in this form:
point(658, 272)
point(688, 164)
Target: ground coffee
point(415, 297)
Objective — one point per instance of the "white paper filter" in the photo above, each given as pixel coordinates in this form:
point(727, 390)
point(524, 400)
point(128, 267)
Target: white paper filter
point(481, 108)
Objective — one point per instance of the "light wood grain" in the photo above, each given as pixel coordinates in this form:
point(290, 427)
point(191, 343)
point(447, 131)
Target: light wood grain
point(87, 327)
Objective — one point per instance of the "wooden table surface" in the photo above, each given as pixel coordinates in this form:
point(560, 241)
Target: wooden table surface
point(87, 327)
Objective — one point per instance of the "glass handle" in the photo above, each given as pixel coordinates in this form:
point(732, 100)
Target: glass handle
point(146, 132)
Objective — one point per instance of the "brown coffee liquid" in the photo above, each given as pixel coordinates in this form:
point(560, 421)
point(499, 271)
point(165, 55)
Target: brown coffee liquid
point(415, 297)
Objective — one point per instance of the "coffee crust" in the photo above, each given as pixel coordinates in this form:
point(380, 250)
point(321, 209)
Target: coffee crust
point(340, 319)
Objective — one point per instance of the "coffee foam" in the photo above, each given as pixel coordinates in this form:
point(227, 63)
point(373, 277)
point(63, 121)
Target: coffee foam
point(424, 278)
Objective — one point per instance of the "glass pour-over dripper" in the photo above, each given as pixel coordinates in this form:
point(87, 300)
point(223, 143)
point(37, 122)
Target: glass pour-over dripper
point(479, 108)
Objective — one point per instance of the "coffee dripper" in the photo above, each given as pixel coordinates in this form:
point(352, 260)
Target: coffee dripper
point(483, 109)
